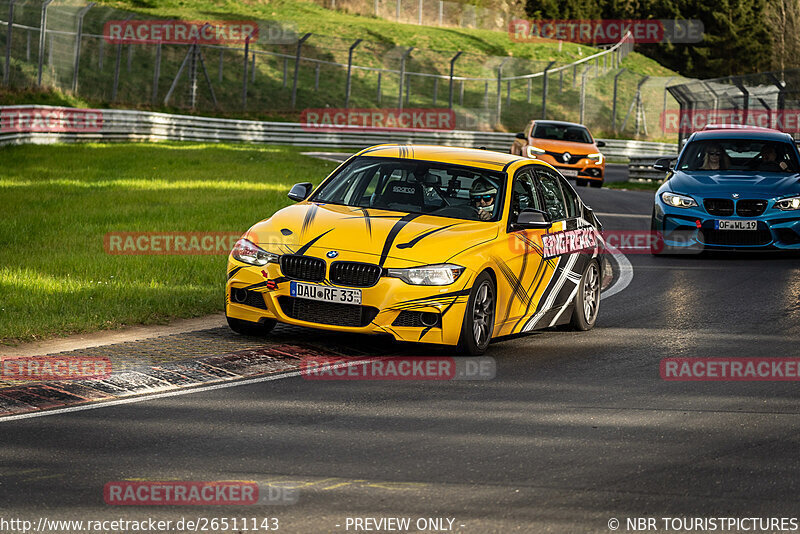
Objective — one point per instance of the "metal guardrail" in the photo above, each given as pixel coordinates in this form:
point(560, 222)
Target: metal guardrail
point(640, 168)
point(128, 125)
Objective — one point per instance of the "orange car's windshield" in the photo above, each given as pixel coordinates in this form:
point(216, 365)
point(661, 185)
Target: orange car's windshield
point(562, 132)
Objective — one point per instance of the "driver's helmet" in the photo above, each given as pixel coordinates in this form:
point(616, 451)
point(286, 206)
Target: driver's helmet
point(482, 190)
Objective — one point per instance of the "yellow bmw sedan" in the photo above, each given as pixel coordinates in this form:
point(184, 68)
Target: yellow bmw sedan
point(427, 244)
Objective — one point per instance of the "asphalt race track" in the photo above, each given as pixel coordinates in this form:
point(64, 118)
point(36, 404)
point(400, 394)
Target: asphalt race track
point(575, 429)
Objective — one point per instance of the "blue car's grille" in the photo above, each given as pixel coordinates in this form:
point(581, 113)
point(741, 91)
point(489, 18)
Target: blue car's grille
point(736, 238)
point(750, 207)
point(719, 206)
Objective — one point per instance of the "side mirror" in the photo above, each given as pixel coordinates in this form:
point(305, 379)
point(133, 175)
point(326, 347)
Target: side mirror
point(663, 164)
point(600, 144)
point(532, 220)
point(300, 191)
point(521, 135)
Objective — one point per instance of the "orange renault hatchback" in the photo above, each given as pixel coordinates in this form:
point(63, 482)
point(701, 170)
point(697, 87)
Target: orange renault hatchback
point(567, 146)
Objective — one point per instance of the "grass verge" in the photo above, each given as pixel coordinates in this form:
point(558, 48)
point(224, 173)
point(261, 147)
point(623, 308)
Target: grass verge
point(60, 200)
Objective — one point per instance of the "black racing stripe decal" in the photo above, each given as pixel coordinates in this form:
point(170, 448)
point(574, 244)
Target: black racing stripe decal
point(302, 250)
point(256, 286)
point(367, 221)
point(434, 297)
point(369, 215)
point(514, 282)
point(387, 245)
point(309, 218)
point(537, 279)
point(484, 162)
point(423, 236)
point(447, 309)
point(470, 247)
point(234, 271)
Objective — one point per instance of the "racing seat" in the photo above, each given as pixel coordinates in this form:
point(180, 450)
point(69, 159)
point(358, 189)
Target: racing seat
point(399, 193)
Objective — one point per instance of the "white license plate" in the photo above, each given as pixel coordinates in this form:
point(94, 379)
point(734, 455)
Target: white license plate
point(569, 172)
point(325, 293)
point(735, 225)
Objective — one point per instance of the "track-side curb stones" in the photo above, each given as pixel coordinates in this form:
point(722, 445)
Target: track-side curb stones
point(157, 378)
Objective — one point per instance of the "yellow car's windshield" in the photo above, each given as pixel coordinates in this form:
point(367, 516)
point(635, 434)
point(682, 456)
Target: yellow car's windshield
point(414, 186)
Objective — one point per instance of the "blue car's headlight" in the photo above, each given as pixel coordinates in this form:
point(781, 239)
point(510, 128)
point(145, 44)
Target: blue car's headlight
point(788, 204)
point(248, 252)
point(678, 201)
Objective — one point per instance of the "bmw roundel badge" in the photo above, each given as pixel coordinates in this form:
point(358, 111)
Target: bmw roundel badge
point(332, 254)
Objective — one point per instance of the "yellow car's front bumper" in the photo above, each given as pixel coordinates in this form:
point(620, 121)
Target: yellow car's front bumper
point(382, 305)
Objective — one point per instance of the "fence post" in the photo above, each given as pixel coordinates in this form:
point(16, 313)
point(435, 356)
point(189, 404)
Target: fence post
point(297, 67)
point(6, 72)
point(285, 71)
point(419, 14)
point(664, 108)
point(452, 67)
point(349, 71)
point(574, 76)
point(397, 11)
point(193, 74)
point(221, 59)
point(100, 52)
point(461, 94)
point(156, 72)
point(583, 91)
point(530, 86)
point(376, 8)
point(316, 78)
point(42, 32)
point(78, 35)
point(28, 46)
point(403, 59)
point(244, 74)
point(435, 90)
point(614, 104)
point(441, 12)
point(544, 89)
point(380, 75)
point(499, 88)
point(116, 67)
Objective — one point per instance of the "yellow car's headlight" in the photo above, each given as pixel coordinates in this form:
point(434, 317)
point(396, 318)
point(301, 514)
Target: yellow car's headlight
point(248, 252)
point(441, 274)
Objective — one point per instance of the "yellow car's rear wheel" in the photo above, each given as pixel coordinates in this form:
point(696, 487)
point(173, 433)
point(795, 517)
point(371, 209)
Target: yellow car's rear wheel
point(478, 323)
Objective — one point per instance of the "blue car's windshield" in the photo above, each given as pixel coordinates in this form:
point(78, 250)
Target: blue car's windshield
point(414, 186)
point(749, 155)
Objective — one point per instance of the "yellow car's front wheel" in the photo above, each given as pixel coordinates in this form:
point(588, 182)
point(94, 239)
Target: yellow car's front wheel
point(478, 324)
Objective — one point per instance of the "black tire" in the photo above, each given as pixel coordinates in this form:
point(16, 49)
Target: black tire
point(596, 183)
point(580, 182)
point(587, 300)
point(248, 328)
point(474, 339)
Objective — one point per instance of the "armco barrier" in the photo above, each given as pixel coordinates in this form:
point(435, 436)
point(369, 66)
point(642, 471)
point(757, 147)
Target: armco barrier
point(640, 168)
point(44, 124)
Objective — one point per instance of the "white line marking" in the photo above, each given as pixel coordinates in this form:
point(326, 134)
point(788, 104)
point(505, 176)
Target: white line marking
point(625, 274)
